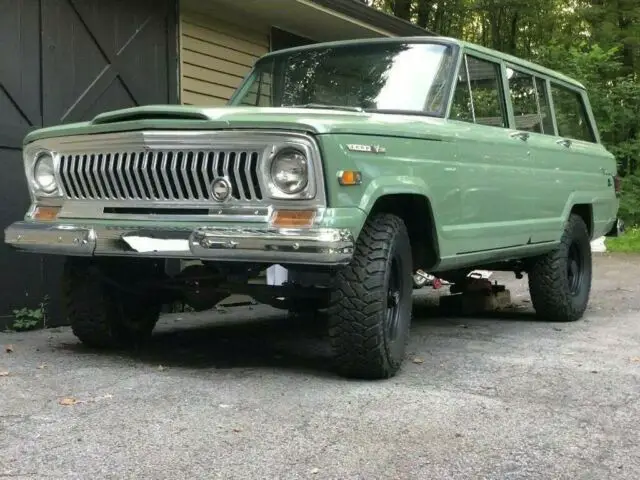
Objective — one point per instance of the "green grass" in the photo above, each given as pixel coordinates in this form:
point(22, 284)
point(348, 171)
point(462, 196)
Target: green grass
point(628, 242)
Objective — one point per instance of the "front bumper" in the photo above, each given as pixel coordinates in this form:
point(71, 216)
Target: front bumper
point(313, 246)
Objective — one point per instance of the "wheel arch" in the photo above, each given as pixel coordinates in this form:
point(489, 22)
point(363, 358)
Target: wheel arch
point(416, 211)
point(584, 211)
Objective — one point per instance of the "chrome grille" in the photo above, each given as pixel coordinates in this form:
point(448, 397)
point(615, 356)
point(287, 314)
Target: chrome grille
point(159, 175)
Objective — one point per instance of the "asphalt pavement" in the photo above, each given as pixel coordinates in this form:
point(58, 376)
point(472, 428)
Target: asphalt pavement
point(243, 393)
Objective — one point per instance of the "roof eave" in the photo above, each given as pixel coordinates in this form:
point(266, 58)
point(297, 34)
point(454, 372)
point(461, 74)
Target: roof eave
point(377, 18)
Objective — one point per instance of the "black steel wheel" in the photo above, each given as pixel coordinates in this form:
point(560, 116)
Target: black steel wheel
point(371, 302)
point(560, 281)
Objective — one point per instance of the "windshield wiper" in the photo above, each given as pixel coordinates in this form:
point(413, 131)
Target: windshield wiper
point(328, 107)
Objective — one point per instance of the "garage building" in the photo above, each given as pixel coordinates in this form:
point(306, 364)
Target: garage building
point(68, 60)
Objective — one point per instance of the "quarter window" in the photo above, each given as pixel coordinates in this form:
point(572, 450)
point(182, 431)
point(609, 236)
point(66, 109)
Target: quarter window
point(571, 114)
point(478, 97)
point(545, 107)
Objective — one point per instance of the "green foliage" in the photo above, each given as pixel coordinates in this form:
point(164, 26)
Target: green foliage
point(31, 318)
point(630, 201)
point(629, 242)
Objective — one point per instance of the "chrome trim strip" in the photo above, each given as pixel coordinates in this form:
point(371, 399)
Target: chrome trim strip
point(85, 210)
point(314, 246)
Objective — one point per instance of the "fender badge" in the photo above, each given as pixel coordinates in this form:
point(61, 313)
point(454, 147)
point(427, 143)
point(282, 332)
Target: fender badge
point(356, 147)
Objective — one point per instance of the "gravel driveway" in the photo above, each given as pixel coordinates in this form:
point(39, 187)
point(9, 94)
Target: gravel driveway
point(501, 397)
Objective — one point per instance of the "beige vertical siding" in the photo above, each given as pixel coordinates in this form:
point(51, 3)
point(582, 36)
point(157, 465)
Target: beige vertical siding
point(216, 54)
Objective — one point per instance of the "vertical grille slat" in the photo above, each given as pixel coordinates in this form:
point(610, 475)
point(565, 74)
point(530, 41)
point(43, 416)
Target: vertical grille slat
point(178, 173)
point(80, 175)
point(68, 188)
point(247, 174)
point(75, 173)
point(174, 175)
point(93, 189)
point(242, 192)
point(106, 174)
point(196, 171)
point(98, 162)
point(145, 176)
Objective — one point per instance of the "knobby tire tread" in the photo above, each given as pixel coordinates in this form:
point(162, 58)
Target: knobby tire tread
point(548, 288)
point(96, 315)
point(357, 305)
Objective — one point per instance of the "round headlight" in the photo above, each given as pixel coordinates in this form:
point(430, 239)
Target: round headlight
point(289, 170)
point(43, 173)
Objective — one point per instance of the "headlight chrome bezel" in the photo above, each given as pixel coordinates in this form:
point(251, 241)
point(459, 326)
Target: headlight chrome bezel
point(32, 161)
point(304, 165)
point(39, 160)
point(306, 191)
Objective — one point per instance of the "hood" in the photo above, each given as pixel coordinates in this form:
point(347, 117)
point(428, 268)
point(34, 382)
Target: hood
point(317, 121)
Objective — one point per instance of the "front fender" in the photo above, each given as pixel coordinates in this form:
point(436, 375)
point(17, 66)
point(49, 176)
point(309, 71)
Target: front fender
point(391, 185)
point(414, 166)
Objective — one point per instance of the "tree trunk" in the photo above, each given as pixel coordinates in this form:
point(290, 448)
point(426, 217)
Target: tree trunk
point(402, 9)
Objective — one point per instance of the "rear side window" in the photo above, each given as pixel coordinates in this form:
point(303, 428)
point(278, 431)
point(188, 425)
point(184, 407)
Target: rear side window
point(522, 91)
point(571, 114)
point(478, 97)
point(531, 108)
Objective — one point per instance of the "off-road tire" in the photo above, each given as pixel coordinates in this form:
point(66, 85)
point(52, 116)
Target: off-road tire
point(550, 283)
point(362, 344)
point(101, 315)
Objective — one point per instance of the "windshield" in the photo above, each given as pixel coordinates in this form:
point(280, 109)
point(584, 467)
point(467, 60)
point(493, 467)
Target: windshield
point(404, 77)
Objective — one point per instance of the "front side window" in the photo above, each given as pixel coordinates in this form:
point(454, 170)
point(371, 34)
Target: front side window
point(259, 92)
point(478, 97)
point(571, 114)
point(412, 77)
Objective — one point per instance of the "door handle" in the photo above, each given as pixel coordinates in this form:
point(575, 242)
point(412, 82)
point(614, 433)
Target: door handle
point(565, 142)
point(524, 136)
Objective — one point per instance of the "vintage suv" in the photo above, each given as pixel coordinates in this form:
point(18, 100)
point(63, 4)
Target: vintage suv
point(351, 164)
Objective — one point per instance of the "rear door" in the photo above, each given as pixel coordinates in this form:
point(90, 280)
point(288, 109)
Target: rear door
point(545, 188)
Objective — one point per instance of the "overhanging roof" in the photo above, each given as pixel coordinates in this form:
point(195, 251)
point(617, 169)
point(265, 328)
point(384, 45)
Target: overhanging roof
point(360, 11)
point(318, 20)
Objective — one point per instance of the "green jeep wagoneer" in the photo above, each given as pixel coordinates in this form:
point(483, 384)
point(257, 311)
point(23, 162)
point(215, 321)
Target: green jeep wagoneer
point(351, 164)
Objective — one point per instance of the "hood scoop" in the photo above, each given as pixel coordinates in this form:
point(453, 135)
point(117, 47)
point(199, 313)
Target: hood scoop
point(149, 113)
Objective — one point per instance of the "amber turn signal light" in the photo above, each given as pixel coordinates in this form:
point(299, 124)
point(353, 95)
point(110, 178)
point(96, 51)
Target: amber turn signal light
point(349, 177)
point(45, 213)
point(293, 218)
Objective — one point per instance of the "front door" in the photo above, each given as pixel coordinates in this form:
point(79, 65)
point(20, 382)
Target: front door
point(494, 162)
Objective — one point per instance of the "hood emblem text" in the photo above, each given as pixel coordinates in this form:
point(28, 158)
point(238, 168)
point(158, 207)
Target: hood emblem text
point(356, 147)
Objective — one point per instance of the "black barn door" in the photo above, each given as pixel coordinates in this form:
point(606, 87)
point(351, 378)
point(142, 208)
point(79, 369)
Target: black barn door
point(64, 61)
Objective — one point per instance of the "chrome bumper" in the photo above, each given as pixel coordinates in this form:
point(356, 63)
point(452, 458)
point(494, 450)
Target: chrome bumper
point(314, 246)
